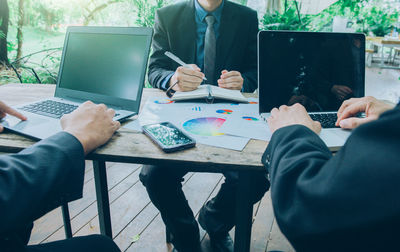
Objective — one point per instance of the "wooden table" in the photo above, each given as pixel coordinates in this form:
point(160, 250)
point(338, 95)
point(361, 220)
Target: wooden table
point(128, 146)
point(382, 42)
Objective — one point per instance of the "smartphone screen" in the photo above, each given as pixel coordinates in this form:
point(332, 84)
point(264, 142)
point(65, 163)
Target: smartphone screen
point(168, 136)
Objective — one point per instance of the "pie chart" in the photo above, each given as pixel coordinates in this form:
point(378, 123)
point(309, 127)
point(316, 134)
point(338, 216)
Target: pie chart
point(249, 118)
point(205, 126)
point(164, 101)
point(224, 111)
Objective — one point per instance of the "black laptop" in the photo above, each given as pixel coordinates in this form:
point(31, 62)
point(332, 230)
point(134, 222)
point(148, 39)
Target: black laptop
point(319, 70)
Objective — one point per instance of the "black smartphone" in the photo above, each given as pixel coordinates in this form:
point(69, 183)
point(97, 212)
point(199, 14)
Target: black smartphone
point(168, 137)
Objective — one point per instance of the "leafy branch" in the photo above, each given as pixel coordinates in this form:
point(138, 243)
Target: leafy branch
point(146, 11)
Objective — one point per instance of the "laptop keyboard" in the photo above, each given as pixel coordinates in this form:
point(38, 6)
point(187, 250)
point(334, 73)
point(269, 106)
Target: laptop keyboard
point(327, 120)
point(50, 108)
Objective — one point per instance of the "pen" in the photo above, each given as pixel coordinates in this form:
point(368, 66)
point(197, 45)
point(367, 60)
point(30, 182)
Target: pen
point(179, 61)
point(169, 90)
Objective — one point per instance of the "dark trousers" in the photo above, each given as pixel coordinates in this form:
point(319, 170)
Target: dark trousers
point(164, 186)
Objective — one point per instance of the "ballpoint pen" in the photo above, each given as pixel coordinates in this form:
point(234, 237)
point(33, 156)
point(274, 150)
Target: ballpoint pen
point(179, 61)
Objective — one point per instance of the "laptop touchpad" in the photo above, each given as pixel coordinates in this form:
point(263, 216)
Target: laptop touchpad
point(17, 124)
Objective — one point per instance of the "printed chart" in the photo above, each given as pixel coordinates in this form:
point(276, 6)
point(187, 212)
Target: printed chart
point(163, 101)
point(224, 111)
point(250, 118)
point(206, 126)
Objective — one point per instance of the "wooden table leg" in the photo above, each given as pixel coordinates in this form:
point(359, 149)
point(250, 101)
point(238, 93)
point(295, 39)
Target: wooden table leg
point(244, 214)
point(67, 220)
point(103, 203)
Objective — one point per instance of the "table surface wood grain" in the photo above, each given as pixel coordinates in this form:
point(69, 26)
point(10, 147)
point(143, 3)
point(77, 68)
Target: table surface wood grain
point(129, 146)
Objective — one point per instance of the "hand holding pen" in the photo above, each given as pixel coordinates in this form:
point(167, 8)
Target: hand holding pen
point(186, 77)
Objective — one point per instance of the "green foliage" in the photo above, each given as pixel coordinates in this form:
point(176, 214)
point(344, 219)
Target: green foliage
point(288, 20)
point(367, 16)
point(2, 35)
point(146, 11)
point(381, 21)
point(11, 46)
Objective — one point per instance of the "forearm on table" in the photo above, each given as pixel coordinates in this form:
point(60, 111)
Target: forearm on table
point(40, 178)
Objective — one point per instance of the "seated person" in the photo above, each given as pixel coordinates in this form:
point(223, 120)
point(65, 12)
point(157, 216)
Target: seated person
point(345, 202)
point(48, 174)
point(219, 38)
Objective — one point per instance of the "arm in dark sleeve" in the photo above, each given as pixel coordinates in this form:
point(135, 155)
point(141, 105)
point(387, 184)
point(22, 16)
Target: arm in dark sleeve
point(39, 179)
point(320, 198)
point(249, 73)
point(159, 67)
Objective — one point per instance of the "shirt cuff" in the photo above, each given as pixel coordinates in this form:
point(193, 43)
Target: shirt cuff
point(164, 83)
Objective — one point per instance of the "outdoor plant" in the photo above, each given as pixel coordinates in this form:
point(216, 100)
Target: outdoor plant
point(290, 19)
point(146, 11)
point(381, 21)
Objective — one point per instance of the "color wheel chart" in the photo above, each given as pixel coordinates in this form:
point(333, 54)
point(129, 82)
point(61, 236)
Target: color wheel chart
point(205, 126)
point(224, 111)
point(249, 118)
point(164, 101)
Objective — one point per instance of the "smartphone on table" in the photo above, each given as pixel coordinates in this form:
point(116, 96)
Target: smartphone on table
point(168, 137)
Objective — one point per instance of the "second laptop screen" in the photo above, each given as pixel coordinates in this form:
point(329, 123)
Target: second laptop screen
point(317, 70)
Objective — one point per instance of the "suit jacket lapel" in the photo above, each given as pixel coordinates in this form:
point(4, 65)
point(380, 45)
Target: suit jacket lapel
point(227, 31)
point(187, 34)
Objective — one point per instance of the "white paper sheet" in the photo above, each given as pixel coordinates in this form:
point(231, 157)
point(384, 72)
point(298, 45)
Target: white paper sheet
point(193, 119)
point(249, 125)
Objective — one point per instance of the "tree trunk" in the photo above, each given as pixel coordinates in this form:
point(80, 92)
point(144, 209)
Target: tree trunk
point(20, 36)
point(4, 19)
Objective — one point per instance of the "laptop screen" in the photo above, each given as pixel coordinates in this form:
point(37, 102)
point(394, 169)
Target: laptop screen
point(317, 70)
point(106, 64)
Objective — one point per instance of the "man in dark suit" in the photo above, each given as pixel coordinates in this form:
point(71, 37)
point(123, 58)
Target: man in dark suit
point(346, 202)
point(181, 29)
point(48, 174)
point(218, 38)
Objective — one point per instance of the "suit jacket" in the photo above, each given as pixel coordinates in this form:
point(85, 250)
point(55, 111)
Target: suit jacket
point(346, 202)
point(175, 31)
point(35, 181)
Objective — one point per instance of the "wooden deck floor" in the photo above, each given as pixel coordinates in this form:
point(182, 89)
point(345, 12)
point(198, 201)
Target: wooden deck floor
point(133, 214)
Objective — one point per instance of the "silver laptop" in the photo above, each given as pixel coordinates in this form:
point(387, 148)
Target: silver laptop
point(317, 70)
point(102, 64)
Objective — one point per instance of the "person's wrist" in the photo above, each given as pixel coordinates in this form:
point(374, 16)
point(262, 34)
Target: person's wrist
point(82, 138)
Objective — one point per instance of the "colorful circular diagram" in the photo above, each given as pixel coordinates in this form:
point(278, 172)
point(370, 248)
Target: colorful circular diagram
point(249, 118)
point(224, 111)
point(205, 126)
point(164, 101)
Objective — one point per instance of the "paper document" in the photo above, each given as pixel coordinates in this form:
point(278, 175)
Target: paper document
point(200, 121)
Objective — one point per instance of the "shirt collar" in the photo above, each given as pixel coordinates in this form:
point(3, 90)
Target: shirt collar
point(202, 13)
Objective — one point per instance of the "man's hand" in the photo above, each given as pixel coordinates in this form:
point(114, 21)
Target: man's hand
point(91, 124)
point(286, 116)
point(231, 80)
point(4, 110)
point(188, 79)
point(372, 107)
point(341, 91)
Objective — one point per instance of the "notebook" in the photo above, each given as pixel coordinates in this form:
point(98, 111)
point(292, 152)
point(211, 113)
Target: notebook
point(210, 93)
point(102, 64)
